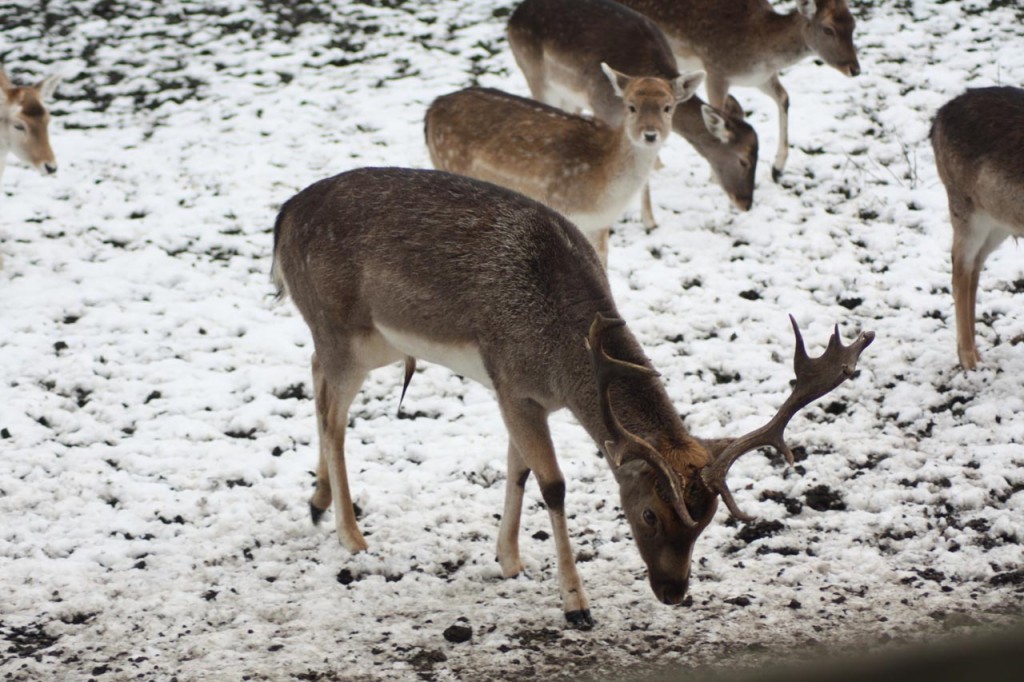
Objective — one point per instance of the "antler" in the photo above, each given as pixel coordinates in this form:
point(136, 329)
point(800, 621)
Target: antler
point(814, 378)
point(627, 445)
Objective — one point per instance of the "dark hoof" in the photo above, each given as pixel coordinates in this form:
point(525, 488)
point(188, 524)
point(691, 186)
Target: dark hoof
point(776, 174)
point(315, 513)
point(581, 620)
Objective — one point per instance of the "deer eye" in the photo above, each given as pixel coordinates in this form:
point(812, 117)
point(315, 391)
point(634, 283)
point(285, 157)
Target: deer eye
point(829, 31)
point(632, 108)
point(19, 126)
point(668, 108)
point(649, 518)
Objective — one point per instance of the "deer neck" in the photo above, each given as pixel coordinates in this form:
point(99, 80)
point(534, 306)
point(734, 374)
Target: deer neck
point(630, 165)
point(785, 39)
point(640, 403)
point(688, 122)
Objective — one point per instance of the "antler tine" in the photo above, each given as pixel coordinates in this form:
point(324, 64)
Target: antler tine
point(607, 368)
point(628, 445)
point(815, 377)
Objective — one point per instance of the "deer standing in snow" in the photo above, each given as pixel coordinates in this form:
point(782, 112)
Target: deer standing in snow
point(978, 140)
point(391, 264)
point(24, 121)
point(560, 46)
point(747, 43)
point(583, 168)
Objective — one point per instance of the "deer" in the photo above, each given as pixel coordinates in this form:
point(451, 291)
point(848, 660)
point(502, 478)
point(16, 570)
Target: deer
point(583, 168)
point(978, 140)
point(560, 45)
point(389, 265)
point(747, 43)
point(24, 122)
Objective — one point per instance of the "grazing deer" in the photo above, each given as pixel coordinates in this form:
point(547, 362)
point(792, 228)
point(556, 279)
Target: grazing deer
point(387, 264)
point(583, 168)
point(24, 121)
point(560, 46)
point(978, 140)
point(747, 43)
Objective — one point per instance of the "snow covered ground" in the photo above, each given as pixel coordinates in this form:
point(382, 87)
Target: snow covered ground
point(157, 437)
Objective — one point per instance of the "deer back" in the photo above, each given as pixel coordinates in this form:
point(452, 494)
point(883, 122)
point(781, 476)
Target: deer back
point(978, 139)
point(748, 39)
point(448, 260)
point(522, 144)
point(584, 168)
point(562, 43)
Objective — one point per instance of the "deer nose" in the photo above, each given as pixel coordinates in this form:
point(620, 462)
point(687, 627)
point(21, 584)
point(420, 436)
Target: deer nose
point(672, 593)
point(854, 69)
point(49, 168)
point(742, 203)
point(651, 136)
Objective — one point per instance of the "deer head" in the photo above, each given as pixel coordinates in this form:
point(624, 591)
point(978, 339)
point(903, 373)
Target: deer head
point(829, 33)
point(669, 501)
point(24, 120)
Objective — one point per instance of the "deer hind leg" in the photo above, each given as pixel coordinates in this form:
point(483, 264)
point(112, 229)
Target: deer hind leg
point(773, 88)
point(528, 430)
point(508, 533)
point(974, 238)
point(334, 393)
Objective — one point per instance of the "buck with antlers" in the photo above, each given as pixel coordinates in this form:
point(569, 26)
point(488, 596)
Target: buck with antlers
point(978, 140)
point(583, 168)
point(560, 46)
point(24, 121)
point(393, 264)
point(747, 43)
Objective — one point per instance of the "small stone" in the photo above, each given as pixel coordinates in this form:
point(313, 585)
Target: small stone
point(457, 634)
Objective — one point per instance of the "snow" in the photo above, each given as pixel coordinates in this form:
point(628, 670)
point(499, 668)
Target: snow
point(157, 429)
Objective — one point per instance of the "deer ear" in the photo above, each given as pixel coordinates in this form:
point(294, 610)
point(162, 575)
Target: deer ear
point(716, 124)
point(684, 86)
point(5, 82)
point(48, 86)
point(618, 80)
point(734, 108)
point(808, 8)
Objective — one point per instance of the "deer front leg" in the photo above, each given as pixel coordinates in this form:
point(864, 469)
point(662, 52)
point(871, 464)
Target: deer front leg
point(334, 393)
point(646, 211)
point(601, 245)
point(508, 532)
point(773, 88)
point(528, 429)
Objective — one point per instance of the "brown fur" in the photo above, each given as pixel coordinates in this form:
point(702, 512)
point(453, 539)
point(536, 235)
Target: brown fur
point(459, 261)
point(24, 123)
point(735, 38)
point(546, 36)
point(583, 168)
point(978, 139)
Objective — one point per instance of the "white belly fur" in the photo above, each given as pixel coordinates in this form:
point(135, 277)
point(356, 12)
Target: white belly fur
point(463, 359)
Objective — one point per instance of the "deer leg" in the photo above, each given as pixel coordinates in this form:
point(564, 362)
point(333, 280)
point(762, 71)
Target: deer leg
point(974, 238)
point(528, 429)
point(334, 393)
point(601, 245)
point(773, 88)
point(646, 211)
point(508, 533)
